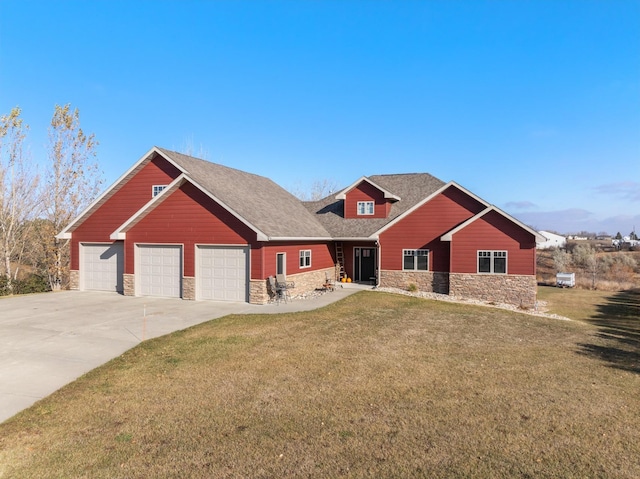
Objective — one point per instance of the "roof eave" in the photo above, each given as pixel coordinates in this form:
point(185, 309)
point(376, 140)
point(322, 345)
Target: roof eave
point(299, 238)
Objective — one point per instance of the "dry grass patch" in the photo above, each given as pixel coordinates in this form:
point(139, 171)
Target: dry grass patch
point(378, 385)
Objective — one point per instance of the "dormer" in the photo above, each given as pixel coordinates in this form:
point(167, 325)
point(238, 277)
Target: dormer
point(365, 199)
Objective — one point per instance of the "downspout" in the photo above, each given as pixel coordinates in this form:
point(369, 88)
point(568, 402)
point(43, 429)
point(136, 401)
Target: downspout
point(377, 285)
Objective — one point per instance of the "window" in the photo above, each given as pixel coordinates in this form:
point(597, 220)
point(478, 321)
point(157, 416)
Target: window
point(305, 258)
point(157, 189)
point(492, 262)
point(281, 263)
point(415, 259)
point(365, 207)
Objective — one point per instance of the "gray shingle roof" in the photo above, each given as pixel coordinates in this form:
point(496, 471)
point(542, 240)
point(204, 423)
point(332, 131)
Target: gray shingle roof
point(257, 199)
point(411, 188)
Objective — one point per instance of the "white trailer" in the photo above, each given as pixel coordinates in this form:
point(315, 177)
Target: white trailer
point(565, 280)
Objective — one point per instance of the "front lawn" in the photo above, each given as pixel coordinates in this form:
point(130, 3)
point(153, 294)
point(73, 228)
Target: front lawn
point(377, 385)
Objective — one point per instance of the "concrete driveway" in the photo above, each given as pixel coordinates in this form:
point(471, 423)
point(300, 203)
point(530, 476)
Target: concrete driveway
point(48, 340)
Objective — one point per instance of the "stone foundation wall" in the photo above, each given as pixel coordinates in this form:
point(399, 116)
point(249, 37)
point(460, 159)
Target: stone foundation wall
point(189, 288)
point(259, 292)
point(519, 290)
point(428, 281)
point(74, 279)
point(129, 284)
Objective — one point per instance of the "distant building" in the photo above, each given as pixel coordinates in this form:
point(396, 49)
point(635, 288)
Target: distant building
point(625, 242)
point(553, 241)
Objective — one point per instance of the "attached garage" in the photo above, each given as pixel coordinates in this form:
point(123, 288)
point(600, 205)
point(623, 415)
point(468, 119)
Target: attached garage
point(102, 266)
point(221, 273)
point(159, 270)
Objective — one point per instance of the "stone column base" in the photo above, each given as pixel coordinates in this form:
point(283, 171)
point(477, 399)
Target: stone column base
point(189, 288)
point(129, 284)
point(74, 279)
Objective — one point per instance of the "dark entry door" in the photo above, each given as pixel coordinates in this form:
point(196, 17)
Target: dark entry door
point(365, 265)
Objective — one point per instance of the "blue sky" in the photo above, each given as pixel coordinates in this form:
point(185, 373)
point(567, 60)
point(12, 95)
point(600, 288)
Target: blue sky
point(532, 105)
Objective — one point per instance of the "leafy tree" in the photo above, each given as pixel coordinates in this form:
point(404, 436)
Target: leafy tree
point(18, 194)
point(618, 236)
point(73, 179)
point(633, 236)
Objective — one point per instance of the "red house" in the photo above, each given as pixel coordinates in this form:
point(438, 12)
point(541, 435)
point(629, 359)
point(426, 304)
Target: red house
point(178, 226)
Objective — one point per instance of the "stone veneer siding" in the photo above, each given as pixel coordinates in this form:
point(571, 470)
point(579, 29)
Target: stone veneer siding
point(429, 281)
point(74, 279)
point(519, 290)
point(259, 292)
point(188, 288)
point(129, 284)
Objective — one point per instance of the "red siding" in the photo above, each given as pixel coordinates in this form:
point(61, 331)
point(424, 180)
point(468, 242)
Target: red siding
point(365, 192)
point(423, 228)
point(493, 232)
point(187, 217)
point(321, 257)
point(134, 194)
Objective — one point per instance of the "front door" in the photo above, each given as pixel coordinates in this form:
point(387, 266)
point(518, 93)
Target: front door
point(364, 268)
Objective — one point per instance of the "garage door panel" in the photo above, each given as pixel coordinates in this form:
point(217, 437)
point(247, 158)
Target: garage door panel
point(222, 273)
point(102, 266)
point(160, 270)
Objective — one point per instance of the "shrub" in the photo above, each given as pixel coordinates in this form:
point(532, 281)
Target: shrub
point(412, 287)
point(33, 283)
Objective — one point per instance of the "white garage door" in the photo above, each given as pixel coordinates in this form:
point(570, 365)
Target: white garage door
point(159, 270)
point(102, 266)
point(221, 273)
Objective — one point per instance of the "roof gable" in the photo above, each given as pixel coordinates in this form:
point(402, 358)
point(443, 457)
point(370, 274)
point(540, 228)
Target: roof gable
point(254, 199)
point(410, 188)
point(113, 189)
point(449, 235)
point(262, 205)
point(387, 194)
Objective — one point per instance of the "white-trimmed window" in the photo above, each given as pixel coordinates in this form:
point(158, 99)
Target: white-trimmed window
point(156, 189)
point(492, 262)
point(281, 263)
point(305, 258)
point(365, 207)
point(415, 259)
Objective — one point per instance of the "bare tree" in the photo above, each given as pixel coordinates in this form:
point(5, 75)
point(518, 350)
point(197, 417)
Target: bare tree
point(18, 193)
point(316, 191)
point(190, 149)
point(73, 179)
point(561, 260)
point(586, 257)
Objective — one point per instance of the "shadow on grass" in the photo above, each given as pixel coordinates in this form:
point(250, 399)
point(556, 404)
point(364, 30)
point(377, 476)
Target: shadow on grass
point(618, 322)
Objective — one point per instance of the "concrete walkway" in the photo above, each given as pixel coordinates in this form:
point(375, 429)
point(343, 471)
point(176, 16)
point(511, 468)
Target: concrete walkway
point(49, 340)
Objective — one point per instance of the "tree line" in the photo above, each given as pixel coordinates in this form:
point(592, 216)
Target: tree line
point(37, 200)
point(594, 267)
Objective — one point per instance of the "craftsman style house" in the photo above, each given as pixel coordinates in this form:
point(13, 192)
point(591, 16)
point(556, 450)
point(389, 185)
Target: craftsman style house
point(178, 226)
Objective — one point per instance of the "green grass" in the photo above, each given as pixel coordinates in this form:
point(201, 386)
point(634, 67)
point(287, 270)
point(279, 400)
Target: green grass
point(377, 385)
